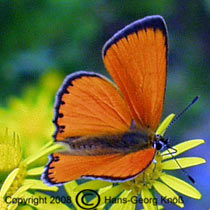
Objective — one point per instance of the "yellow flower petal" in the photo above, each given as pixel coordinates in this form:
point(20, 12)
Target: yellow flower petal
point(147, 196)
point(101, 191)
point(12, 206)
point(21, 190)
point(101, 206)
point(26, 207)
point(182, 147)
point(104, 189)
point(39, 185)
point(122, 202)
point(130, 205)
point(112, 192)
point(168, 194)
point(93, 185)
point(164, 125)
point(18, 194)
point(42, 153)
point(69, 187)
point(180, 186)
point(109, 194)
point(35, 171)
point(184, 163)
point(48, 144)
point(8, 182)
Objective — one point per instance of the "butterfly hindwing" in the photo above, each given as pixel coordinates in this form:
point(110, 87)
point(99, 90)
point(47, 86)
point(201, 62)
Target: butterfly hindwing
point(116, 167)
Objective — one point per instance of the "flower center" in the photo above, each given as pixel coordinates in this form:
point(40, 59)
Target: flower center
point(10, 157)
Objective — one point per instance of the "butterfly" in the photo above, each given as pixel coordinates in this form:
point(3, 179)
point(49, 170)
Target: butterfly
point(109, 128)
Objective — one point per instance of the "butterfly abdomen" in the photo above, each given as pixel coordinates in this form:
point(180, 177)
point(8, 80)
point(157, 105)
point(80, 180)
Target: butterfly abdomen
point(127, 142)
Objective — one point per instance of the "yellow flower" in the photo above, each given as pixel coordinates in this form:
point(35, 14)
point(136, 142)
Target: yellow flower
point(32, 114)
point(10, 151)
point(142, 189)
point(32, 117)
point(22, 179)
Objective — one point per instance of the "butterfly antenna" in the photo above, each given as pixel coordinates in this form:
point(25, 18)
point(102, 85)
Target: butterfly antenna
point(195, 100)
point(183, 171)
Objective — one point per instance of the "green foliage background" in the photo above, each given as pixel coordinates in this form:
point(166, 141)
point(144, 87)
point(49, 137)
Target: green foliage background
point(45, 36)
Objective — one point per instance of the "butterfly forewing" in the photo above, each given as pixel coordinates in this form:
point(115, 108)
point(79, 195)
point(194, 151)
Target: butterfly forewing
point(89, 104)
point(136, 58)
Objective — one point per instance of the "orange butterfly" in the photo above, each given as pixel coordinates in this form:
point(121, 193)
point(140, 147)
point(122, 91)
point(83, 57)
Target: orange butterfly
point(110, 130)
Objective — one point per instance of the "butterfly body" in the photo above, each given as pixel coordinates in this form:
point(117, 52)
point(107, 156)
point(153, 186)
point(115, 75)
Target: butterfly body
point(124, 143)
point(110, 129)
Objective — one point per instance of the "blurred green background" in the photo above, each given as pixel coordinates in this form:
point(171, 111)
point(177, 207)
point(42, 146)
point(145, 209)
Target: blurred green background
point(42, 37)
